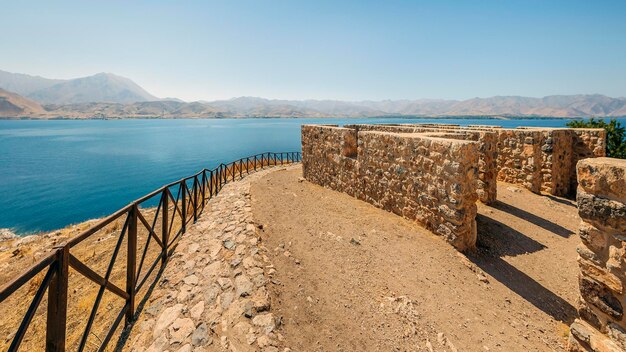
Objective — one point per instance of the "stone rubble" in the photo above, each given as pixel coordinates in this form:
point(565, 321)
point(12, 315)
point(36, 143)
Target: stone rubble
point(213, 293)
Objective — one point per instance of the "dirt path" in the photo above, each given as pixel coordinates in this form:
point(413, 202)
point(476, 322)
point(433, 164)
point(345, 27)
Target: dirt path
point(351, 277)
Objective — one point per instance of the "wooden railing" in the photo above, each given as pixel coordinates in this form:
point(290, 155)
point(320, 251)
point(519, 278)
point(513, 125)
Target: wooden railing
point(178, 203)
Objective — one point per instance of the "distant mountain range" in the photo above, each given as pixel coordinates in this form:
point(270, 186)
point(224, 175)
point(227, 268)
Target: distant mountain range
point(106, 95)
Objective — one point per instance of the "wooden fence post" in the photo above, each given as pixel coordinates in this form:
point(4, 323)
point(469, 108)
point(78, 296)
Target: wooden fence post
point(56, 323)
point(183, 191)
point(211, 184)
point(224, 175)
point(131, 263)
point(195, 198)
point(165, 225)
point(204, 187)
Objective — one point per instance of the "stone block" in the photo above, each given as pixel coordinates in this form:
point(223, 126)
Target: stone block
point(603, 177)
point(584, 337)
point(600, 198)
point(605, 214)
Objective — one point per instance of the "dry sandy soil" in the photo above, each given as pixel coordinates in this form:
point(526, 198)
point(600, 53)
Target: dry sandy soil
point(351, 277)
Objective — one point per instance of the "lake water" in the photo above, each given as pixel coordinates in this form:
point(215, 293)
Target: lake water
point(55, 173)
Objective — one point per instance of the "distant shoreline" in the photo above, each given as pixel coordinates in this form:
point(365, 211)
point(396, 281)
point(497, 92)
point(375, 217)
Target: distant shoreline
point(443, 117)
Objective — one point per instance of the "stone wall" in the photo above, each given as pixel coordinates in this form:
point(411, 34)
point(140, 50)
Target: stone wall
point(329, 157)
point(561, 149)
point(540, 159)
point(601, 201)
point(486, 184)
point(487, 146)
point(552, 168)
point(556, 161)
point(428, 179)
point(519, 157)
point(587, 143)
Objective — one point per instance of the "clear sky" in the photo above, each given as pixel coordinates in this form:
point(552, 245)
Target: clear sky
point(348, 50)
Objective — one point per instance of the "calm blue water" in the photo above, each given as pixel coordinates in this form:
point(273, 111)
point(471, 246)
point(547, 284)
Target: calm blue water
point(54, 173)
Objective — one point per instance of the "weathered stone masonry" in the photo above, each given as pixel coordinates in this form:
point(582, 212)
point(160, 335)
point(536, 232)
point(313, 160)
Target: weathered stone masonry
point(429, 179)
point(487, 148)
point(601, 201)
point(540, 159)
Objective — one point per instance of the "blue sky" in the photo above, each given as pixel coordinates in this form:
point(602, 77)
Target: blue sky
point(348, 50)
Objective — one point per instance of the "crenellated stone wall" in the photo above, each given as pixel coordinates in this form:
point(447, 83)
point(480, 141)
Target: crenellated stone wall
point(540, 159)
point(486, 183)
point(586, 143)
point(329, 157)
point(601, 201)
point(519, 157)
point(556, 161)
point(561, 149)
point(487, 148)
point(428, 179)
point(552, 168)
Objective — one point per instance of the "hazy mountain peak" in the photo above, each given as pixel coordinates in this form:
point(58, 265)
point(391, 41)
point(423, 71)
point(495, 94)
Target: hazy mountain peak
point(101, 87)
point(24, 84)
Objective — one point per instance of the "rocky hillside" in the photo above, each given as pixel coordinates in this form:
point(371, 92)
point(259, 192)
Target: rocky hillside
point(13, 105)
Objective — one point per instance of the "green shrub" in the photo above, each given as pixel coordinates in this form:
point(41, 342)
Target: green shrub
point(615, 135)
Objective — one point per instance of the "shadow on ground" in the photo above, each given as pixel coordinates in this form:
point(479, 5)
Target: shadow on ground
point(534, 219)
point(525, 286)
point(121, 342)
point(566, 201)
point(497, 240)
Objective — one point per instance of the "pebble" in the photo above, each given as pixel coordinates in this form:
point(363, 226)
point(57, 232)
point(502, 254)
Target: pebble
point(229, 244)
point(191, 280)
point(200, 336)
point(243, 286)
point(180, 329)
point(166, 318)
point(197, 310)
point(265, 321)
